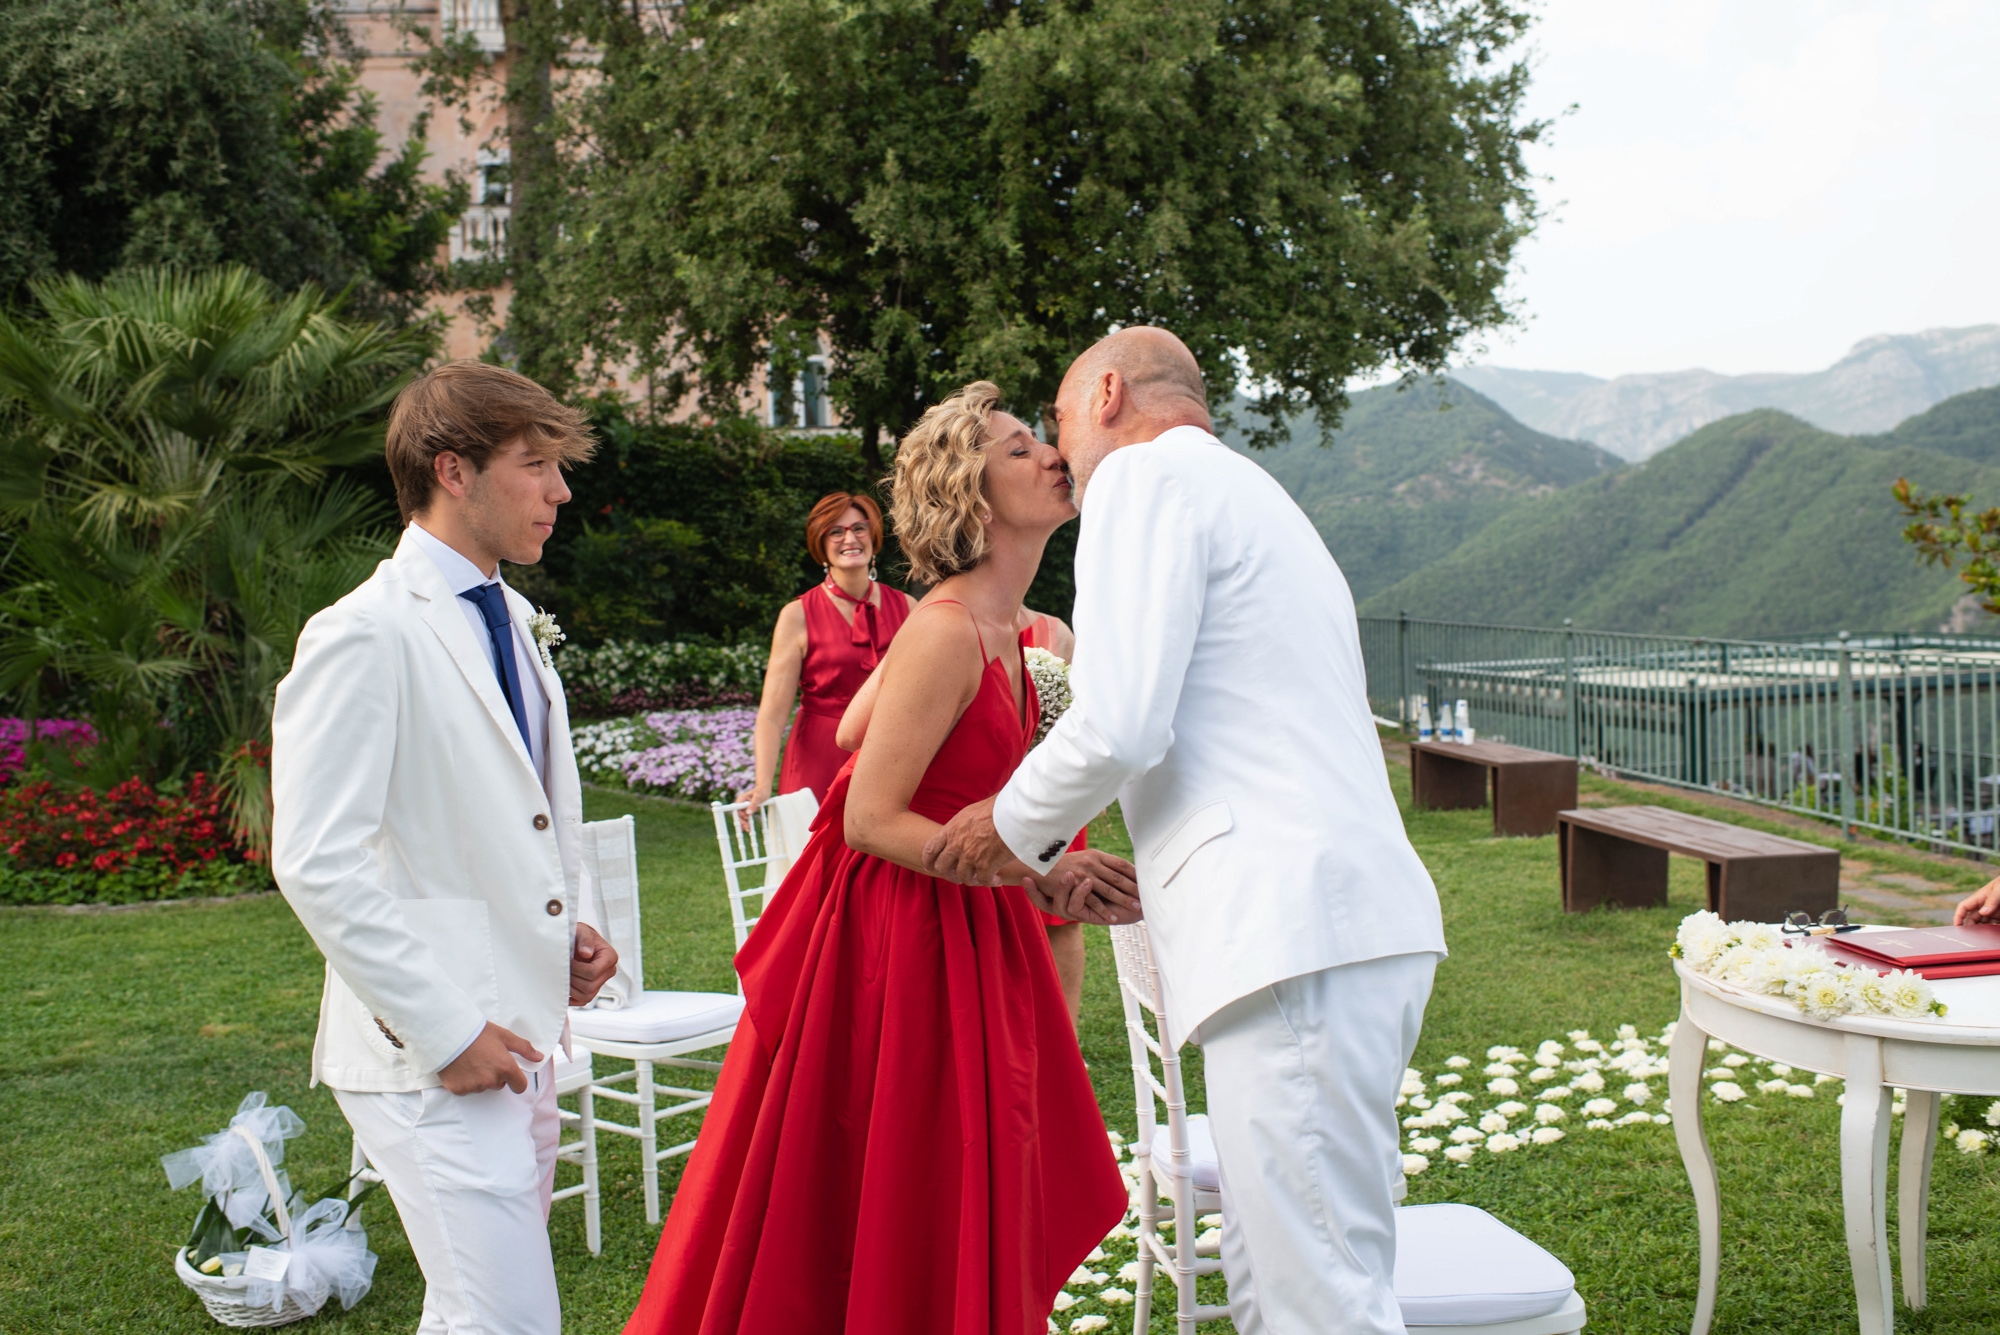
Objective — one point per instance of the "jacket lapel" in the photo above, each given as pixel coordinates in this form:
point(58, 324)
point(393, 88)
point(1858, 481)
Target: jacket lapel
point(475, 660)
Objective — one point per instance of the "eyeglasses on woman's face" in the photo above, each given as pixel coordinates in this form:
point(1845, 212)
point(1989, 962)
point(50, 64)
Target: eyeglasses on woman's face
point(836, 533)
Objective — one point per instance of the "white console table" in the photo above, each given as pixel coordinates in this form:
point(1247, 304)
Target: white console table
point(1959, 1054)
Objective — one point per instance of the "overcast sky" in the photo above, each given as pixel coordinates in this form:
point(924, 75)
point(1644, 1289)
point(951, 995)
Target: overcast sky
point(1756, 186)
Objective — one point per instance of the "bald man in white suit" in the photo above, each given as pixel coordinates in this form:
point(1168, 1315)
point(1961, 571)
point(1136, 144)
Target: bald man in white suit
point(1220, 697)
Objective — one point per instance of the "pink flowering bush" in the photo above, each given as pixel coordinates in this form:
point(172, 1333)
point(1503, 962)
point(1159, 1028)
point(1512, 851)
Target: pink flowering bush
point(64, 736)
point(703, 755)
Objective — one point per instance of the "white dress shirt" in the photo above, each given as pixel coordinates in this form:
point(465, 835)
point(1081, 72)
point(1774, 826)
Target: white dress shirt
point(461, 575)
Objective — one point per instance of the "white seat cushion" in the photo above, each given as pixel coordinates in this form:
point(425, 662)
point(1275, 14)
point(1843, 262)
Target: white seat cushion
point(1201, 1153)
point(659, 1017)
point(1457, 1265)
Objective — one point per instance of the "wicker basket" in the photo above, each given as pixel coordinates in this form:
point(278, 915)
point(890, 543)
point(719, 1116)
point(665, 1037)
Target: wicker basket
point(225, 1297)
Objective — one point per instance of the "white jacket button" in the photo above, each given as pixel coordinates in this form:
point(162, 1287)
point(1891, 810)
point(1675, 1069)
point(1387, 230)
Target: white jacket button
point(555, 907)
point(541, 821)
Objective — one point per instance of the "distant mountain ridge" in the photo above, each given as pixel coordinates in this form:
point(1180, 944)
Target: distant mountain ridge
point(1881, 382)
point(1754, 526)
point(1413, 471)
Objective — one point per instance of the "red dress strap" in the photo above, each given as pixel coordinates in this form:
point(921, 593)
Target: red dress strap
point(984, 658)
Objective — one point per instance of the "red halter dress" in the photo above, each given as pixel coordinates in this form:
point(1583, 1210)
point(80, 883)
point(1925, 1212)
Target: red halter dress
point(839, 657)
point(904, 1140)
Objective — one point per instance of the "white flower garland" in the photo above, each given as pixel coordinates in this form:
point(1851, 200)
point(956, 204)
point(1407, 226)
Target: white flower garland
point(1756, 957)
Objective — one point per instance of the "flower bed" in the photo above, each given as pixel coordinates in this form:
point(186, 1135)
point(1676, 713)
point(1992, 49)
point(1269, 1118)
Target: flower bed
point(65, 735)
point(699, 755)
point(130, 844)
point(625, 677)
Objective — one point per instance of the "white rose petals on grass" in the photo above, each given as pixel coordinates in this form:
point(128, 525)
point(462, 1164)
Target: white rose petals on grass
point(1083, 1325)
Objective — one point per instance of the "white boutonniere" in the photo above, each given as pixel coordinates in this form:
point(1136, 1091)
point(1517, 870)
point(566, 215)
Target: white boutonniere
point(547, 636)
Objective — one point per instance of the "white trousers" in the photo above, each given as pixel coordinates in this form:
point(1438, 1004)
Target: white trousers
point(471, 1175)
point(1302, 1081)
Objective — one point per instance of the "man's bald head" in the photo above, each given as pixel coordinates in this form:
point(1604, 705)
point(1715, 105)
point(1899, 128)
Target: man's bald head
point(1130, 387)
point(1155, 366)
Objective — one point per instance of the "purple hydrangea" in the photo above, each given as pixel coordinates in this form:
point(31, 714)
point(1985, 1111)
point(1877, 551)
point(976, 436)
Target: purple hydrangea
point(703, 755)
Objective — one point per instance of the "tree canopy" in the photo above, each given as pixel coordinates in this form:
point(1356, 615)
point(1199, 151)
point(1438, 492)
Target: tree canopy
point(201, 132)
point(1303, 190)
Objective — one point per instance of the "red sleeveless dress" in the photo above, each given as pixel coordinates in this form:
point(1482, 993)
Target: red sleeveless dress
point(904, 1140)
point(839, 657)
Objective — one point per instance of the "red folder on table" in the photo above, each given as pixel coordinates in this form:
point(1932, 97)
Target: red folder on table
point(1972, 951)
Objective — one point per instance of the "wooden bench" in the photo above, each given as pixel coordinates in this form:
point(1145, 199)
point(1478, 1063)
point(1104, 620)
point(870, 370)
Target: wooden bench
point(1529, 787)
point(1618, 855)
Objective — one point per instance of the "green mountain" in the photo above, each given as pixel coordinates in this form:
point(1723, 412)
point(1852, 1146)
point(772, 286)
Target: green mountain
point(1967, 425)
point(1756, 525)
point(1414, 471)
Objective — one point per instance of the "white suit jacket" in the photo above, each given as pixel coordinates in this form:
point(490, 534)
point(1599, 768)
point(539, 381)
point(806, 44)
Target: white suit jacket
point(1219, 694)
point(413, 837)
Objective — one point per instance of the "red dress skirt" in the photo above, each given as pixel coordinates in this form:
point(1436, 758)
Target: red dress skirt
point(839, 657)
point(904, 1140)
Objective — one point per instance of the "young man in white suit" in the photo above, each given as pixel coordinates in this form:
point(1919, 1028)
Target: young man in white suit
point(1220, 696)
point(427, 812)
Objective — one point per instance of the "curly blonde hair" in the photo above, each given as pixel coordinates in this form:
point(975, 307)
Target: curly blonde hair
point(935, 491)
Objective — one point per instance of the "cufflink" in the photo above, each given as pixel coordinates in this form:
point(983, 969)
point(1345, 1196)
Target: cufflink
point(388, 1033)
point(1050, 853)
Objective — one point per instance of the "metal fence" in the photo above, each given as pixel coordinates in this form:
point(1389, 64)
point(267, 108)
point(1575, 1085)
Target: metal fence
point(1894, 733)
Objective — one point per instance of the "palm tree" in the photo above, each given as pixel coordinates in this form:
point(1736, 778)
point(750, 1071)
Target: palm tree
point(169, 514)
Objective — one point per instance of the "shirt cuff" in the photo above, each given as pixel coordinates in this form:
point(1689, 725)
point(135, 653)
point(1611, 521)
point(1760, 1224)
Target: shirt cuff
point(470, 1039)
point(1013, 832)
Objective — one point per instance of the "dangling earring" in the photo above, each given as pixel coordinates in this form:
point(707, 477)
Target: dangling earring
point(871, 570)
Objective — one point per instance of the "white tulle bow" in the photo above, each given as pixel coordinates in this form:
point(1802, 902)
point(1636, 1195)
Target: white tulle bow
point(225, 1161)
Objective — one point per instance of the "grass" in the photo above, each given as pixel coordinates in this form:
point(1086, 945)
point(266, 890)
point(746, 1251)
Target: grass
point(124, 1035)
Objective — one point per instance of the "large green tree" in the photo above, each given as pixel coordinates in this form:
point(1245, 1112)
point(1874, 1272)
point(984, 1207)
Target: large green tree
point(196, 132)
point(1302, 189)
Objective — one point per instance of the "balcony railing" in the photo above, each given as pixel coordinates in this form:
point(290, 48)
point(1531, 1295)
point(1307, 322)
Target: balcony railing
point(481, 18)
point(481, 233)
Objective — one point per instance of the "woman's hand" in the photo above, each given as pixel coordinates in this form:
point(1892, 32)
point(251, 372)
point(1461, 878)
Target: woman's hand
point(1983, 905)
point(756, 795)
point(1088, 886)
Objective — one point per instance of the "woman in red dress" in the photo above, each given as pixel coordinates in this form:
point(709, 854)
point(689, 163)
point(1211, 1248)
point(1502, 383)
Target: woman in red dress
point(904, 1140)
point(827, 641)
point(1035, 630)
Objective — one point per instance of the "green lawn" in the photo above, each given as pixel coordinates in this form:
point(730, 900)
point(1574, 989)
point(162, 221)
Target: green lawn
point(125, 1035)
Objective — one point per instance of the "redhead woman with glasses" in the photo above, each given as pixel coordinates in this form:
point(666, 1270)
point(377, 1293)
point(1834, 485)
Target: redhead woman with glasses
point(827, 641)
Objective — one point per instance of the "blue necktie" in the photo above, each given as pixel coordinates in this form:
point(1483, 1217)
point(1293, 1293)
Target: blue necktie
point(492, 605)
